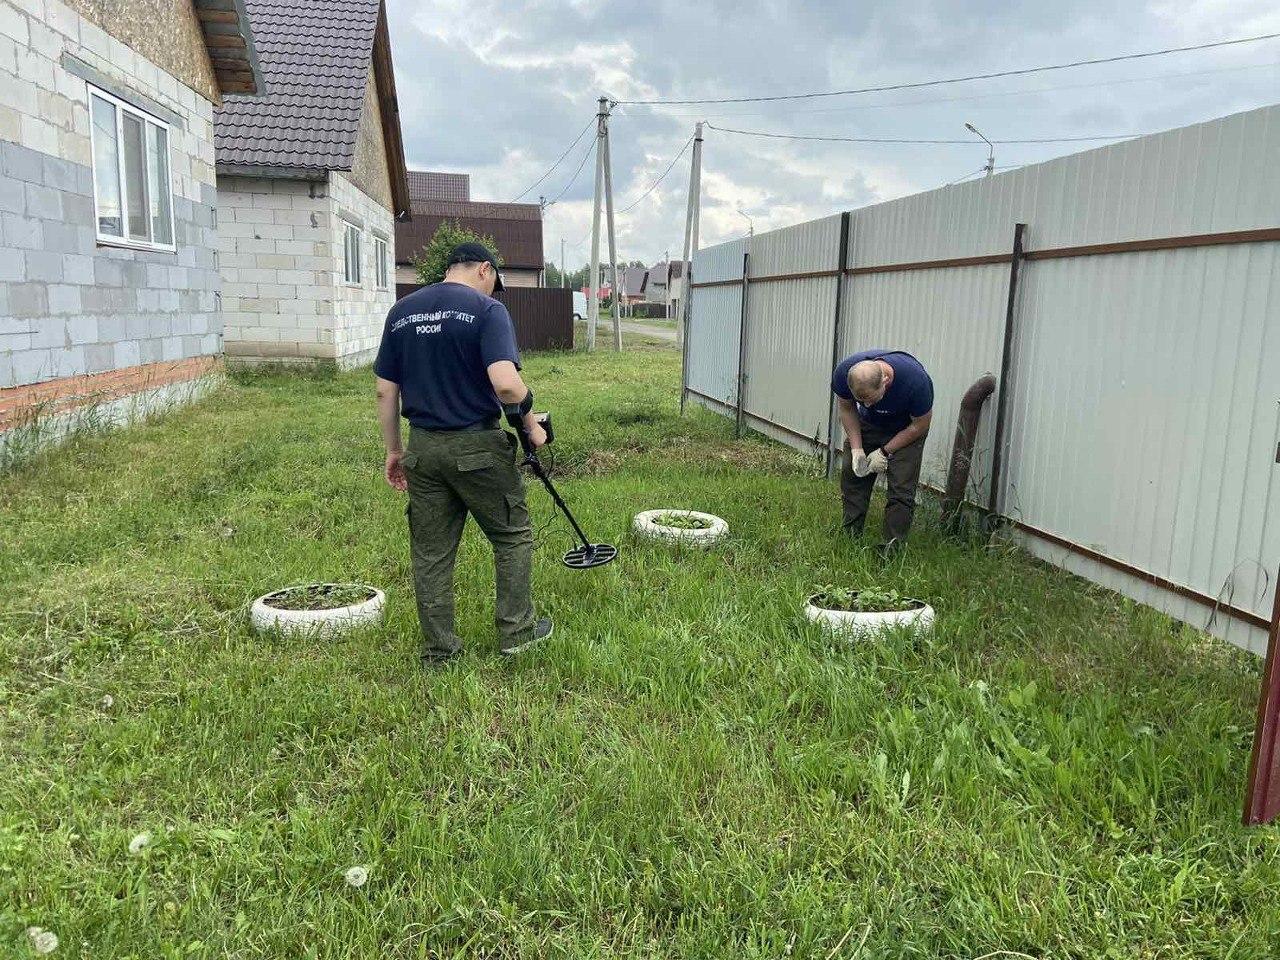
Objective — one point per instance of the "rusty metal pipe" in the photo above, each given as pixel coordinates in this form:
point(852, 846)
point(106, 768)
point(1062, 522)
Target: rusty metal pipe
point(962, 447)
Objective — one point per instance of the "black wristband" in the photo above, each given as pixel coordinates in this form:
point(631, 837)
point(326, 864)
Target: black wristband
point(516, 411)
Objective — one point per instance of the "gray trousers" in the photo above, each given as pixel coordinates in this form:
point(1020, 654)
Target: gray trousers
point(903, 476)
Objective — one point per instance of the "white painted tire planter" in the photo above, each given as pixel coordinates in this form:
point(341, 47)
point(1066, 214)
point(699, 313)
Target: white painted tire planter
point(858, 625)
point(646, 526)
point(322, 623)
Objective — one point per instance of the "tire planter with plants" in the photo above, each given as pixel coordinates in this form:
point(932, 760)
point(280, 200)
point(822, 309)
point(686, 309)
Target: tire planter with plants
point(861, 614)
point(680, 526)
point(317, 609)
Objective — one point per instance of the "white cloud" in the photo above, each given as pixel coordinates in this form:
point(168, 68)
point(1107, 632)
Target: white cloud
point(498, 90)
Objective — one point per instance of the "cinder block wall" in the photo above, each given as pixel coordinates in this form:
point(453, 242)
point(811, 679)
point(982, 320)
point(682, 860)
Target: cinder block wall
point(275, 253)
point(281, 256)
point(360, 311)
point(70, 308)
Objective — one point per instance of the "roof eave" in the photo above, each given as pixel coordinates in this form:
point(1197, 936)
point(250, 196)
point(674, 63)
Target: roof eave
point(226, 168)
point(229, 39)
point(384, 71)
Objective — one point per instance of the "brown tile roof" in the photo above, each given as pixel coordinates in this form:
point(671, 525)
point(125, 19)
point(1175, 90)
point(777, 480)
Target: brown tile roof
point(315, 57)
point(516, 228)
point(430, 185)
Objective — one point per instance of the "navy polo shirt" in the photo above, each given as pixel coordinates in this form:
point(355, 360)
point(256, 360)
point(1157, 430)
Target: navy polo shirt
point(910, 394)
point(437, 344)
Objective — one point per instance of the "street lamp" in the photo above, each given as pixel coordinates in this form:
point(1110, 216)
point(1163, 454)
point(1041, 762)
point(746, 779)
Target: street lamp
point(751, 225)
point(991, 156)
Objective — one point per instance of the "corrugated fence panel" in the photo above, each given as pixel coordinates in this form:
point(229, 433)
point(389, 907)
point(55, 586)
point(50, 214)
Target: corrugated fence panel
point(952, 321)
point(790, 325)
point(1144, 416)
point(715, 317)
point(1145, 386)
point(1205, 178)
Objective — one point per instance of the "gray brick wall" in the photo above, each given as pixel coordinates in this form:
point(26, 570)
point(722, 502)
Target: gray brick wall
point(69, 305)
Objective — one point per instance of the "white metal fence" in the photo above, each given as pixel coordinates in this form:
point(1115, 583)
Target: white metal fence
point(1143, 402)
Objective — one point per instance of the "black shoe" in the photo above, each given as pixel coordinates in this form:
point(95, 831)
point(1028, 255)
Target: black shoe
point(541, 631)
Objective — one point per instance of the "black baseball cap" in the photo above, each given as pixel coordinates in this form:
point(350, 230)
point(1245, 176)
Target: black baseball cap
point(476, 253)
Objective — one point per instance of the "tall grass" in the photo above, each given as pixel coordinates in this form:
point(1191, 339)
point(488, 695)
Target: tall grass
point(687, 769)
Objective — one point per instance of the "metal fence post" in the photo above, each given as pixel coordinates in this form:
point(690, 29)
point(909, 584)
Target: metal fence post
point(837, 336)
point(1006, 362)
point(742, 346)
point(1262, 797)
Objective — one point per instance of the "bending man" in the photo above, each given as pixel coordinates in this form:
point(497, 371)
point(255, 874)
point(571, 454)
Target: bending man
point(885, 399)
point(448, 362)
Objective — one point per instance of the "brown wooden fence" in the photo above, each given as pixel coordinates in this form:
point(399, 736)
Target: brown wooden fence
point(543, 316)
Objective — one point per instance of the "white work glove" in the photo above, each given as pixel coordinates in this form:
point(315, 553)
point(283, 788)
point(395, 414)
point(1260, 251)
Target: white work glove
point(858, 463)
point(877, 462)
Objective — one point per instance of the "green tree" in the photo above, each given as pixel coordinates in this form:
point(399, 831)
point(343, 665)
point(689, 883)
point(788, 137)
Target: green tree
point(432, 261)
point(577, 278)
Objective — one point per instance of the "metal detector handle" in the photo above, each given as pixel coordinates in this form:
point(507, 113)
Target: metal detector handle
point(544, 419)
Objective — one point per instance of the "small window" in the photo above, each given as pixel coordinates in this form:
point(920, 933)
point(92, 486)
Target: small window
point(132, 186)
point(380, 262)
point(351, 254)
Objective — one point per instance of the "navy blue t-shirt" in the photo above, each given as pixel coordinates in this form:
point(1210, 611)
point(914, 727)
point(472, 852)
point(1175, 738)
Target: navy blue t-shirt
point(910, 394)
point(437, 344)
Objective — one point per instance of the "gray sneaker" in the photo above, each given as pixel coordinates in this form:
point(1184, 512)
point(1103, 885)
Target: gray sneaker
point(541, 631)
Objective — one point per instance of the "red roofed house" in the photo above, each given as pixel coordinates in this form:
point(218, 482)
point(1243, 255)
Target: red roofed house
point(516, 228)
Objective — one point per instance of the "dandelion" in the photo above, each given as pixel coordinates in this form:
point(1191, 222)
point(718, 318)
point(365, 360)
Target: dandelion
point(138, 842)
point(42, 941)
point(357, 876)
point(107, 701)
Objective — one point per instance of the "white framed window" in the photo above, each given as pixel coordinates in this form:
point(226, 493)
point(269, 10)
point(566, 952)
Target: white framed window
point(380, 261)
point(350, 254)
point(132, 182)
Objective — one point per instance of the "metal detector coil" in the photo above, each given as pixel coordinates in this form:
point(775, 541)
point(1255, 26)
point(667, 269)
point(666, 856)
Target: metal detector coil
point(588, 555)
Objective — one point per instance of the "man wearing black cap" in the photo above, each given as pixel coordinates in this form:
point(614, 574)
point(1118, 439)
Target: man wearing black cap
point(448, 364)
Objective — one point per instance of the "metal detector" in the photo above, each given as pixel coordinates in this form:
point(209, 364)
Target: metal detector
point(589, 554)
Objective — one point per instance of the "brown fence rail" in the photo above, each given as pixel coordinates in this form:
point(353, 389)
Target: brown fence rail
point(543, 316)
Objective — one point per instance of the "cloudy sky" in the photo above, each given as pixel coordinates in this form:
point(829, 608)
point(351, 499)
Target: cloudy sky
point(500, 89)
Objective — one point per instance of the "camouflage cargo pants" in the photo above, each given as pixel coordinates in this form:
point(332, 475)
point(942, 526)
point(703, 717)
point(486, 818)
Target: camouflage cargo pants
point(452, 474)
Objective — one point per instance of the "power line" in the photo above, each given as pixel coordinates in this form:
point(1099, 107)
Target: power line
point(557, 163)
point(654, 185)
point(573, 179)
point(1025, 91)
point(976, 76)
point(970, 141)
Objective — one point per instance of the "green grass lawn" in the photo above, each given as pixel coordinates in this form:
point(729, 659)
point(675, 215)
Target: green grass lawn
point(685, 770)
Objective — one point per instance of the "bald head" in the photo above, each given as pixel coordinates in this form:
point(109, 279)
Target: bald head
point(867, 381)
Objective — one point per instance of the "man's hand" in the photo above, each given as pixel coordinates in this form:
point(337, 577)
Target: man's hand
point(878, 462)
point(537, 435)
point(858, 462)
point(394, 472)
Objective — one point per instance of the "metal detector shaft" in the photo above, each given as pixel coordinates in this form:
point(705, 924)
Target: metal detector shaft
point(531, 460)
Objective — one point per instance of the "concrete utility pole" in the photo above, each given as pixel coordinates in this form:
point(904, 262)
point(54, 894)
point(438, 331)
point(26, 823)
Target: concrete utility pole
point(991, 155)
point(613, 247)
point(542, 219)
point(666, 286)
point(564, 270)
point(690, 231)
point(593, 293)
